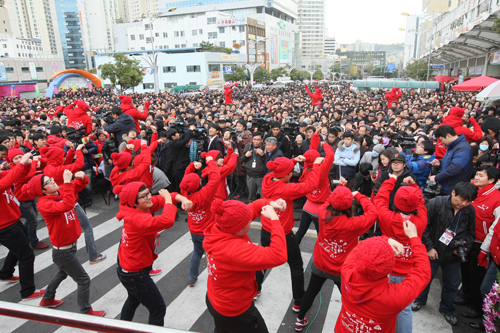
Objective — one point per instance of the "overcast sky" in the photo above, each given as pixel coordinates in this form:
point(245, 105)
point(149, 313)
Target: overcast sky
point(369, 20)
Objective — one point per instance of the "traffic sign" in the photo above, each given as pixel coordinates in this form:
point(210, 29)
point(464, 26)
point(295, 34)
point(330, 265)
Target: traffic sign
point(437, 66)
point(228, 69)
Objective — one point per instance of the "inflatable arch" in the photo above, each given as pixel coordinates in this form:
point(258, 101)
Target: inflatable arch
point(63, 75)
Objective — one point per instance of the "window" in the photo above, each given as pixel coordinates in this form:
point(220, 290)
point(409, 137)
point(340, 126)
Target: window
point(25, 70)
point(4, 46)
point(195, 45)
point(242, 28)
point(147, 26)
point(222, 44)
point(165, 35)
point(141, 36)
point(183, 45)
point(195, 68)
point(177, 46)
point(149, 40)
point(39, 69)
point(211, 20)
point(213, 67)
point(221, 30)
point(212, 35)
point(9, 69)
point(157, 34)
point(168, 69)
point(148, 85)
point(182, 33)
point(143, 48)
point(194, 32)
point(176, 33)
point(200, 31)
point(170, 84)
point(193, 83)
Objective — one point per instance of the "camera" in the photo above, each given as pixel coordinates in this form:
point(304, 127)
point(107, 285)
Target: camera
point(76, 136)
point(291, 127)
point(262, 124)
point(179, 126)
point(461, 252)
point(431, 189)
point(402, 141)
point(200, 133)
point(493, 157)
point(108, 118)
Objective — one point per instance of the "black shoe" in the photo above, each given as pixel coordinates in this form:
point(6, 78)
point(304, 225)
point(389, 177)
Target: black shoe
point(451, 319)
point(459, 300)
point(416, 306)
point(471, 313)
point(478, 326)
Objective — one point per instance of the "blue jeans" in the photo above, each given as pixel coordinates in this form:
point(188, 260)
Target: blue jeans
point(305, 222)
point(194, 264)
point(405, 317)
point(141, 289)
point(68, 264)
point(31, 222)
point(87, 231)
point(451, 281)
point(489, 278)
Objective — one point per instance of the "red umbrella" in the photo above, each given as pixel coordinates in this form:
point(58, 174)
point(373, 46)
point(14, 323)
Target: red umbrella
point(444, 78)
point(475, 84)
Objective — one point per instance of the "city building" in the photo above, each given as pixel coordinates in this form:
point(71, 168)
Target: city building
point(11, 47)
point(36, 70)
point(98, 18)
point(180, 67)
point(330, 45)
point(412, 35)
point(4, 21)
point(311, 21)
point(360, 46)
point(137, 10)
point(365, 60)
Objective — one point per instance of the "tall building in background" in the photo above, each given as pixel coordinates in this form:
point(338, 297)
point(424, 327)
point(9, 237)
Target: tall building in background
point(70, 33)
point(311, 23)
point(4, 21)
point(136, 10)
point(98, 18)
point(360, 46)
point(330, 45)
point(439, 6)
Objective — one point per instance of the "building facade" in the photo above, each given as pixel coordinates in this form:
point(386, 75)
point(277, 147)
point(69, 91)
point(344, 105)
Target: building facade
point(11, 47)
point(330, 45)
point(311, 21)
point(39, 70)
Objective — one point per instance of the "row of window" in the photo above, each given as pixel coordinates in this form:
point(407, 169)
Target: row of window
point(189, 69)
point(23, 69)
point(181, 33)
point(165, 85)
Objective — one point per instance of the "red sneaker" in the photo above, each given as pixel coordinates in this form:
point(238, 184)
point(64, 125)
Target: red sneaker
point(154, 272)
point(50, 303)
point(96, 313)
point(191, 284)
point(36, 294)
point(296, 308)
point(11, 279)
point(40, 246)
point(300, 324)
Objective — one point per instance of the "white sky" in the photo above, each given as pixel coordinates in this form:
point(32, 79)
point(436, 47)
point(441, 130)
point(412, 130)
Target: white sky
point(371, 21)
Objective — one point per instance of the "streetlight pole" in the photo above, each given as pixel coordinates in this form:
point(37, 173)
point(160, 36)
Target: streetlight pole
point(430, 49)
point(311, 72)
point(251, 68)
point(153, 59)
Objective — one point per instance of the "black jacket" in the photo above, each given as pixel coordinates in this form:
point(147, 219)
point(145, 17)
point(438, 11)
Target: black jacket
point(122, 125)
point(271, 157)
point(260, 162)
point(283, 144)
point(164, 160)
point(217, 144)
point(385, 175)
point(362, 185)
point(440, 216)
point(180, 152)
point(109, 147)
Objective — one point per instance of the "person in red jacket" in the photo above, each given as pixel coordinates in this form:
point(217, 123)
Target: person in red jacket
point(135, 148)
point(199, 216)
point(393, 96)
point(13, 234)
point(232, 260)
point(227, 95)
point(410, 205)
point(226, 167)
point(275, 186)
point(136, 252)
point(125, 171)
point(369, 302)
point(318, 196)
point(317, 97)
point(56, 204)
point(454, 119)
point(337, 237)
point(129, 109)
point(26, 203)
point(78, 117)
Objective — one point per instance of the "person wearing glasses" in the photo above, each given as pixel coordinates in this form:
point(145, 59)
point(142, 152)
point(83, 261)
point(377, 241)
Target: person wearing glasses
point(57, 206)
point(136, 251)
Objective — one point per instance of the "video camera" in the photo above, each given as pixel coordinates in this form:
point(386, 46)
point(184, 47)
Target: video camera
point(405, 142)
point(179, 126)
point(493, 157)
point(108, 118)
point(76, 136)
point(431, 189)
point(262, 124)
point(291, 127)
point(200, 133)
point(460, 247)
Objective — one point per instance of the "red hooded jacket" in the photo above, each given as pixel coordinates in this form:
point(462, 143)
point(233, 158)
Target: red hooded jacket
point(339, 236)
point(200, 216)
point(227, 168)
point(8, 202)
point(274, 190)
point(22, 195)
point(55, 169)
point(55, 141)
point(232, 261)
point(137, 173)
point(317, 97)
point(393, 96)
point(391, 224)
point(454, 119)
point(487, 201)
point(129, 109)
point(373, 306)
point(78, 116)
point(140, 230)
point(227, 94)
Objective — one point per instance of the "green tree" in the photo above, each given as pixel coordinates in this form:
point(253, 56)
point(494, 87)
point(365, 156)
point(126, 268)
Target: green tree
point(303, 75)
point(496, 26)
point(124, 73)
point(209, 47)
point(238, 74)
point(261, 75)
point(417, 70)
point(278, 72)
point(318, 75)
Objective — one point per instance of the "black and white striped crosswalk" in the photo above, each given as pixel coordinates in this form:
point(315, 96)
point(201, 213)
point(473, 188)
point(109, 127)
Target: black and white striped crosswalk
point(186, 307)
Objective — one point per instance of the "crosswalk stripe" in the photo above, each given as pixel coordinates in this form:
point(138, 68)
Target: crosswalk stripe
point(428, 319)
point(112, 302)
point(334, 306)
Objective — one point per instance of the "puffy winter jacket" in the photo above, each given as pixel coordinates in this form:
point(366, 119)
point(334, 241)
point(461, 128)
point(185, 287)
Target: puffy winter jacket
point(456, 165)
point(347, 165)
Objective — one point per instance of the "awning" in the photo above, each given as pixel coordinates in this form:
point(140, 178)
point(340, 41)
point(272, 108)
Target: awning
point(492, 92)
point(444, 78)
point(475, 84)
point(399, 84)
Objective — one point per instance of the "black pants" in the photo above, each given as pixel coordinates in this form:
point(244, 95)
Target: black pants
point(472, 278)
point(249, 321)
point(294, 261)
point(15, 238)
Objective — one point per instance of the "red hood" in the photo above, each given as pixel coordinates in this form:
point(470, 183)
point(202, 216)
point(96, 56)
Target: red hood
point(395, 89)
point(126, 99)
point(453, 120)
point(361, 289)
point(269, 187)
point(126, 211)
point(77, 112)
point(127, 107)
point(52, 139)
point(456, 111)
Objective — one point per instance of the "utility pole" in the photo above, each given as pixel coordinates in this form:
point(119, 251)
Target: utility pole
point(152, 60)
point(251, 69)
point(430, 49)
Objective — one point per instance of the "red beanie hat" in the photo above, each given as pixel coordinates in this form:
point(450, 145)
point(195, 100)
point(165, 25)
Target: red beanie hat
point(311, 156)
point(82, 105)
point(341, 198)
point(128, 193)
point(126, 99)
point(53, 155)
point(281, 167)
point(14, 152)
point(121, 160)
point(375, 258)
point(407, 198)
point(231, 216)
point(190, 183)
point(136, 143)
point(34, 186)
point(213, 153)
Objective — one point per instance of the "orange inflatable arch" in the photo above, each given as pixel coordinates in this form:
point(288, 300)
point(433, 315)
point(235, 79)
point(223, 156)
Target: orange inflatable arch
point(86, 74)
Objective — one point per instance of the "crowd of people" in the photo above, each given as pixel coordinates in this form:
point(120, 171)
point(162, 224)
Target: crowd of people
point(396, 183)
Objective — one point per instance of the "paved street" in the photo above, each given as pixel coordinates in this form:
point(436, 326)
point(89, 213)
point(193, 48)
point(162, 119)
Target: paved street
point(186, 307)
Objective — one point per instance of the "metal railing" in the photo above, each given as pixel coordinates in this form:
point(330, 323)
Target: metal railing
point(77, 320)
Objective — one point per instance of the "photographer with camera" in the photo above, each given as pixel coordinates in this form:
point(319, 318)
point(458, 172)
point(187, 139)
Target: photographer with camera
point(448, 238)
point(179, 148)
point(254, 161)
point(78, 117)
point(121, 125)
point(283, 141)
point(456, 165)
